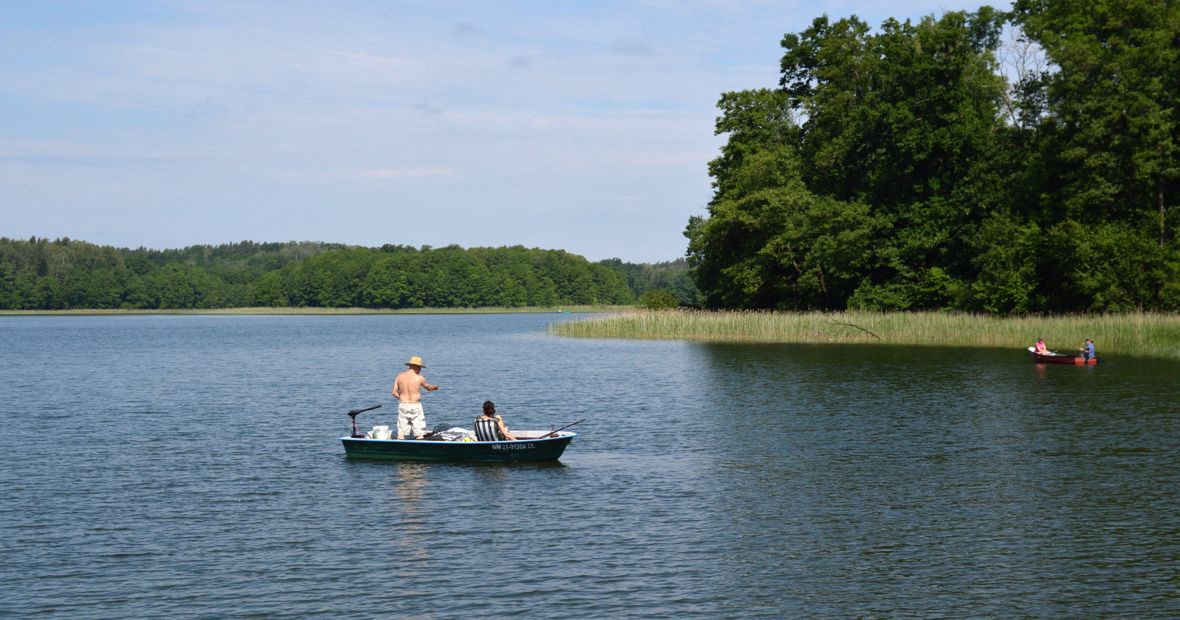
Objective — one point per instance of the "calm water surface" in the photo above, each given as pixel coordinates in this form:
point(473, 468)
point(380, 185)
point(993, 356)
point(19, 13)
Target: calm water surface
point(190, 467)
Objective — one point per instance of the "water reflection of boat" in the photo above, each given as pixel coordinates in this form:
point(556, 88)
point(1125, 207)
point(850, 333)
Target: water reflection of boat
point(533, 446)
point(1057, 358)
point(413, 518)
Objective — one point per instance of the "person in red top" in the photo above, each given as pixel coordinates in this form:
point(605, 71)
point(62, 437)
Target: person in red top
point(1039, 348)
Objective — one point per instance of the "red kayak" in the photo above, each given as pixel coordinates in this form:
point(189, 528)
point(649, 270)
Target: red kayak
point(1057, 358)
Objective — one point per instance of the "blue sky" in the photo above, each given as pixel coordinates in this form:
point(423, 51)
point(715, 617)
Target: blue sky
point(583, 126)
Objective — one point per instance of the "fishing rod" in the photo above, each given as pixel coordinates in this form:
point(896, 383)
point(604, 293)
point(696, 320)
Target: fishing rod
point(561, 429)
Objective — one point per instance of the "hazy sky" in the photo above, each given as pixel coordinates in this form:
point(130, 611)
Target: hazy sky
point(584, 126)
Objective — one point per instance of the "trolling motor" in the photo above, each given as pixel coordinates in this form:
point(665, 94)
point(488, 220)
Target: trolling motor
point(352, 414)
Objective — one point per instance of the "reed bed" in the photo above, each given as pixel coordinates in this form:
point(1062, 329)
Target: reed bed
point(1139, 335)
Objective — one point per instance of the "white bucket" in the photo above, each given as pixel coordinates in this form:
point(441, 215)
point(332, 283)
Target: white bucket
point(380, 432)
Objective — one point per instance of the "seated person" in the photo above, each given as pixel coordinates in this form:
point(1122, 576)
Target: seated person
point(490, 427)
point(1039, 348)
point(1088, 350)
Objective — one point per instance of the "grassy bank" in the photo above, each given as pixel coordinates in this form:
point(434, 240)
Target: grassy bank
point(1140, 335)
point(319, 311)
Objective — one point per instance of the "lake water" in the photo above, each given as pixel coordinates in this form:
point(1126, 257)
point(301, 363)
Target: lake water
point(189, 466)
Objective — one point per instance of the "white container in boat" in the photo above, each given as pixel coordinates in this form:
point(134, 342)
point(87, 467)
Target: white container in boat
point(380, 432)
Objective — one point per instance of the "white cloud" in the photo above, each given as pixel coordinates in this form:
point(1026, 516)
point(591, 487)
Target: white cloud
point(571, 109)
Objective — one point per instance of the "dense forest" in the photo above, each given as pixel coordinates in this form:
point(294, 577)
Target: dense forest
point(995, 162)
point(40, 274)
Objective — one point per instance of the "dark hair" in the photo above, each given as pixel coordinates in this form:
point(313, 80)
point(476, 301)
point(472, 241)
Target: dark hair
point(489, 408)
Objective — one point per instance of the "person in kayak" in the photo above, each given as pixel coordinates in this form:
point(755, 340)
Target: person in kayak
point(1040, 349)
point(490, 427)
point(406, 389)
point(1087, 350)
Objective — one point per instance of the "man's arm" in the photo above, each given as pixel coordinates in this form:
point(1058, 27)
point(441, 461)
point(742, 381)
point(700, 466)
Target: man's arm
point(394, 392)
point(429, 388)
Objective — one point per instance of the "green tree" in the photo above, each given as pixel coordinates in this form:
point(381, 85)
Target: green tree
point(756, 173)
point(768, 241)
point(336, 277)
point(902, 121)
point(1108, 267)
point(141, 294)
point(267, 290)
point(1111, 107)
point(44, 294)
point(386, 285)
point(672, 275)
point(182, 286)
point(1006, 256)
point(452, 278)
point(10, 297)
point(65, 273)
point(659, 299)
point(93, 288)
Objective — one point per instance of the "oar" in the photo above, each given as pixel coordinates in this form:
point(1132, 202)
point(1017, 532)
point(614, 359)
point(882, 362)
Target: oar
point(352, 414)
point(561, 429)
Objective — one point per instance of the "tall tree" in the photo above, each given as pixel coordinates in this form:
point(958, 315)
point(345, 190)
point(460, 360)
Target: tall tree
point(1112, 106)
point(769, 242)
point(903, 121)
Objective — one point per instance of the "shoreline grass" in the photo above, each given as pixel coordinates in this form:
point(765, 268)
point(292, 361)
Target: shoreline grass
point(1138, 335)
point(319, 311)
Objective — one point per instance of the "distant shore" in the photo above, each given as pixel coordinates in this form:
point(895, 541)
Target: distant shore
point(320, 311)
point(1138, 335)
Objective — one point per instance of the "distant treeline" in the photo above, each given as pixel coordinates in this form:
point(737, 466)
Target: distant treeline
point(898, 168)
point(40, 274)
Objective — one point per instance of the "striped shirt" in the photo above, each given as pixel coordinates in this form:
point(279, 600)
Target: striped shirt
point(486, 430)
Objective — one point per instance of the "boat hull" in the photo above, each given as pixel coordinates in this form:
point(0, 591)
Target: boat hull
point(549, 449)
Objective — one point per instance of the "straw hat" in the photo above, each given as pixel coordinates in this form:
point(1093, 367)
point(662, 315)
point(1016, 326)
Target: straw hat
point(416, 361)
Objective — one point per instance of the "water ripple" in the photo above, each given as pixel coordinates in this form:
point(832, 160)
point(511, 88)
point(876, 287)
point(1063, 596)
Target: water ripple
point(189, 467)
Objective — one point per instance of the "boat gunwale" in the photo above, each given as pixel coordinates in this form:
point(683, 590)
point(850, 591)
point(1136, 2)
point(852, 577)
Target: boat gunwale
point(539, 450)
point(561, 435)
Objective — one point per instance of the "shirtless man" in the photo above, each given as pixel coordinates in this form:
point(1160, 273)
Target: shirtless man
point(409, 409)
